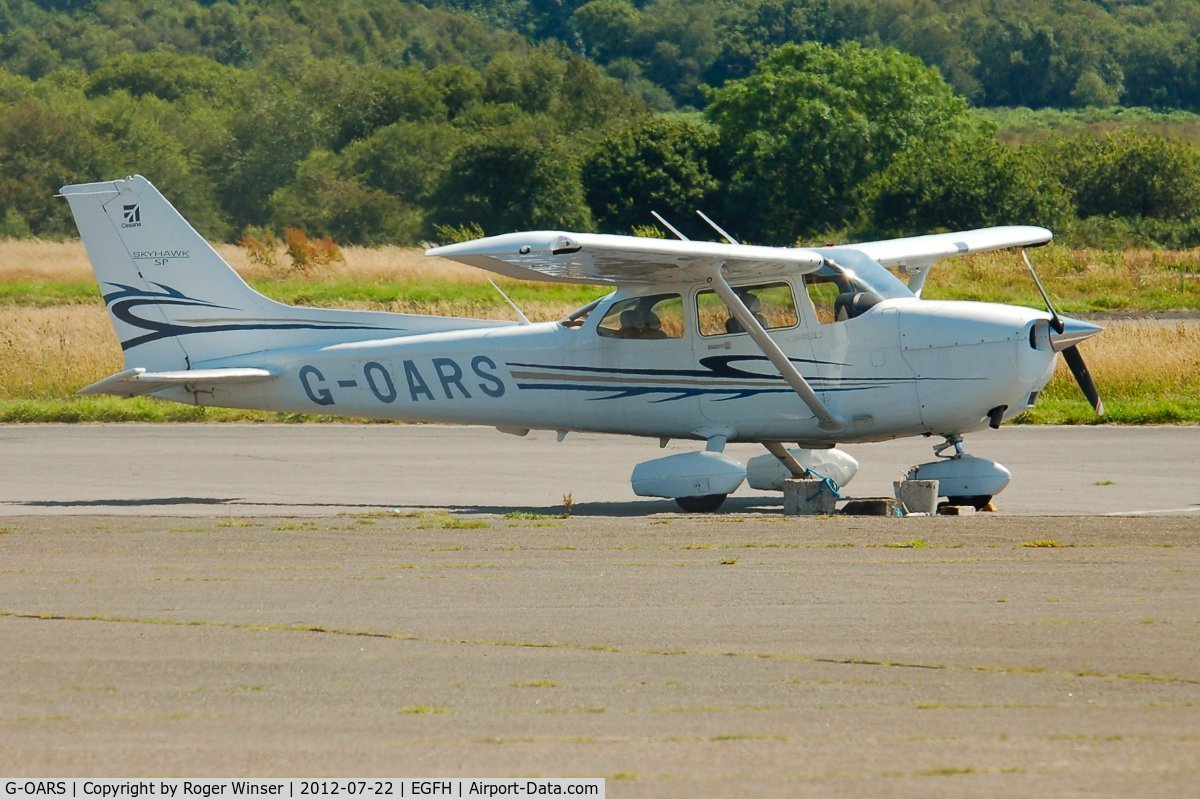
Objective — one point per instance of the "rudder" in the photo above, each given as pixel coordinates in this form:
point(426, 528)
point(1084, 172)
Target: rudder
point(155, 272)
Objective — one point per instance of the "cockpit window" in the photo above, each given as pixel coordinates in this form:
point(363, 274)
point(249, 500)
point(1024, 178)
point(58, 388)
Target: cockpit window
point(770, 303)
point(848, 285)
point(658, 316)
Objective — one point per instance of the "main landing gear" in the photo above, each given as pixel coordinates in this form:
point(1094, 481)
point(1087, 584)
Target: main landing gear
point(706, 503)
point(962, 479)
point(697, 481)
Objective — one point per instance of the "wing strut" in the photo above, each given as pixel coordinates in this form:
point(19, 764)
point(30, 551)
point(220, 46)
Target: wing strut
point(783, 456)
point(828, 420)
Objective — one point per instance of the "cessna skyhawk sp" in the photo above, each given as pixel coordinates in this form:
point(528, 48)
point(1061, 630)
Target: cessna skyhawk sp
point(714, 342)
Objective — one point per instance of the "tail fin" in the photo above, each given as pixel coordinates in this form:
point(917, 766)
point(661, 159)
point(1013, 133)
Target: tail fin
point(173, 300)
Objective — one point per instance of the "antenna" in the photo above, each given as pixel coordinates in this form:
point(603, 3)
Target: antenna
point(718, 228)
point(669, 226)
point(520, 316)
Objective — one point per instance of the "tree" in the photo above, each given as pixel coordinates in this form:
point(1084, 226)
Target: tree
point(753, 28)
point(606, 27)
point(382, 96)
point(963, 182)
point(659, 163)
point(801, 136)
point(404, 159)
point(1128, 175)
point(322, 201)
point(142, 143)
point(529, 81)
point(164, 75)
point(44, 146)
point(509, 180)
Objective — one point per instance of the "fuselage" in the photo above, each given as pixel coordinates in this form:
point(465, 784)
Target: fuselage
point(902, 367)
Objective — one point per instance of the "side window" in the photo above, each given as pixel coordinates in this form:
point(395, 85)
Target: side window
point(654, 317)
point(823, 291)
point(771, 304)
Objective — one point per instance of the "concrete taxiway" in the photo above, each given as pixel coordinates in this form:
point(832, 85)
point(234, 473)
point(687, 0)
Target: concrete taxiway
point(363, 601)
point(679, 656)
point(322, 469)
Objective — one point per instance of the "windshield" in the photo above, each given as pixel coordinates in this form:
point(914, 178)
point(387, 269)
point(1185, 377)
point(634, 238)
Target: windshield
point(856, 271)
point(577, 318)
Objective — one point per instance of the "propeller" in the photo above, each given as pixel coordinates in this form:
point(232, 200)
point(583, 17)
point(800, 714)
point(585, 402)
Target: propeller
point(1065, 338)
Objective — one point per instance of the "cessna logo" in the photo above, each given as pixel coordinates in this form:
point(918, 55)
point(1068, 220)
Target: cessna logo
point(132, 215)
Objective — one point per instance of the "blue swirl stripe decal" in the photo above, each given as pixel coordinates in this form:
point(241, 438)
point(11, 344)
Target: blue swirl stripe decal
point(719, 378)
point(125, 299)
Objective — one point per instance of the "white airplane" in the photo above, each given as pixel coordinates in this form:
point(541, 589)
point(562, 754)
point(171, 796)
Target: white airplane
point(713, 342)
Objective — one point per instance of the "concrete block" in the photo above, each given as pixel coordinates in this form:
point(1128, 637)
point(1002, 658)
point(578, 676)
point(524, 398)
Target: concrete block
point(872, 506)
point(917, 496)
point(956, 510)
point(803, 497)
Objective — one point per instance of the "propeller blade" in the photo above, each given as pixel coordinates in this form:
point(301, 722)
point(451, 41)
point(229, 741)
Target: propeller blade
point(1065, 339)
point(1083, 377)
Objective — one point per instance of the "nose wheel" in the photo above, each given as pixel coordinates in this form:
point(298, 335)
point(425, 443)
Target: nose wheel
point(976, 502)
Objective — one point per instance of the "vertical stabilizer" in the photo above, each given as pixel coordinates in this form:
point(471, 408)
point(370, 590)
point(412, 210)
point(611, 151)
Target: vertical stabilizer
point(174, 301)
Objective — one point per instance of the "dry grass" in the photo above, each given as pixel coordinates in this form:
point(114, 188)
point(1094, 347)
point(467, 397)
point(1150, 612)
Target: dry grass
point(1145, 371)
point(1077, 280)
point(1094, 279)
point(1142, 354)
point(67, 261)
point(57, 261)
point(366, 264)
point(53, 352)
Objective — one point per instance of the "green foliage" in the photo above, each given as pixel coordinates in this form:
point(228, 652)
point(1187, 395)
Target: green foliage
point(607, 26)
point(164, 75)
point(803, 134)
point(453, 234)
point(1128, 175)
point(323, 201)
point(658, 163)
point(404, 159)
point(1071, 53)
point(359, 120)
point(44, 145)
point(386, 96)
point(509, 180)
point(960, 183)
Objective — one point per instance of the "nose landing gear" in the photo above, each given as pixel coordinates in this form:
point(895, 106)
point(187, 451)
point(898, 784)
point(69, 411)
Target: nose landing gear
point(963, 479)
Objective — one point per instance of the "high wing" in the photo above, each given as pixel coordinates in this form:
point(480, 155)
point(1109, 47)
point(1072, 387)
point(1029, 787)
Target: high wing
point(920, 251)
point(914, 256)
point(600, 258)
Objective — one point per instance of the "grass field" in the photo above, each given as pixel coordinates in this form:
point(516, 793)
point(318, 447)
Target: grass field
point(1023, 125)
point(55, 336)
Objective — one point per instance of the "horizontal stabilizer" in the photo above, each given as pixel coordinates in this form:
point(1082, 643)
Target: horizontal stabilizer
point(133, 382)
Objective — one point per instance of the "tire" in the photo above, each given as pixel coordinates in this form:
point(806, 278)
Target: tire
point(702, 504)
point(978, 502)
